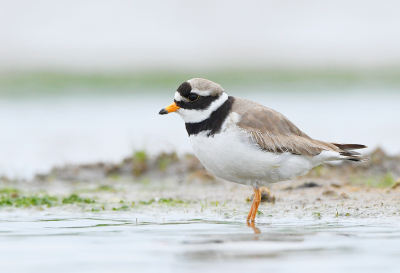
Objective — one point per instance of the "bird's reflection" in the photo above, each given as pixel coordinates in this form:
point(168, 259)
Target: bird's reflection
point(252, 224)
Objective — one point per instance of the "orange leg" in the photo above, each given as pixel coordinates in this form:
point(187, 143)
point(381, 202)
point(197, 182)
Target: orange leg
point(254, 207)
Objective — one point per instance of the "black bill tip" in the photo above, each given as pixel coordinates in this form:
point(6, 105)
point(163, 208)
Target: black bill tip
point(163, 112)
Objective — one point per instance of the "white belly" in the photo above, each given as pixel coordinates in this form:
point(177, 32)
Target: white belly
point(231, 156)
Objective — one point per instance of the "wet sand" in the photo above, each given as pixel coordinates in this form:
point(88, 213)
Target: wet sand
point(147, 213)
point(168, 183)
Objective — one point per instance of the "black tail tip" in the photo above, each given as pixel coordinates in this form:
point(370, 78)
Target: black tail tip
point(354, 159)
point(358, 159)
point(350, 146)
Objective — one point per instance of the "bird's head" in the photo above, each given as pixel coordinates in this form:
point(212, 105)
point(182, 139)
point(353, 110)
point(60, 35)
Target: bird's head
point(196, 99)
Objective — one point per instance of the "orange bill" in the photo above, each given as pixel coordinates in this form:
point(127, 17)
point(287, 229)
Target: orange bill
point(169, 109)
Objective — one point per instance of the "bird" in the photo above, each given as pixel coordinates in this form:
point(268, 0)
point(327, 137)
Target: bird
point(242, 141)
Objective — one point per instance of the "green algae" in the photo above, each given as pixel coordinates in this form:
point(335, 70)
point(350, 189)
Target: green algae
point(74, 198)
point(317, 215)
point(164, 160)
point(139, 163)
point(165, 201)
point(106, 188)
point(385, 181)
point(13, 198)
point(102, 188)
point(123, 208)
point(29, 201)
point(8, 190)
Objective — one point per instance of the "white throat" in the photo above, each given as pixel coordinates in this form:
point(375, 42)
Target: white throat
point(195, 116)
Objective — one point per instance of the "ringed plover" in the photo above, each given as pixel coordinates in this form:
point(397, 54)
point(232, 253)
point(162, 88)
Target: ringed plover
point(242, 141)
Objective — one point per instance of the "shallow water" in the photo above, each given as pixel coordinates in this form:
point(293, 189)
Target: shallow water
point(43, 132)
point(126, 242)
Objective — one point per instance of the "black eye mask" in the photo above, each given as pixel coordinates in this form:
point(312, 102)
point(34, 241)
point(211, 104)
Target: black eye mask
point(200, 104)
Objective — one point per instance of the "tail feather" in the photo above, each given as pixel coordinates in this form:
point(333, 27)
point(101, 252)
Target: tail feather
point(357, 158)
point(350, 146)
point(349, 154)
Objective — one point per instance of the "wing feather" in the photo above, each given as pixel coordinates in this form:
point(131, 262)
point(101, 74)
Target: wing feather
point(273, 132)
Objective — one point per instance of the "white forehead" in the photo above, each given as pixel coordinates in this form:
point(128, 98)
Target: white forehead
point(178, 97)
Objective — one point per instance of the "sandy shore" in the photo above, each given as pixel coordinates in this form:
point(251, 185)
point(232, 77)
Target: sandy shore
point(167, 183)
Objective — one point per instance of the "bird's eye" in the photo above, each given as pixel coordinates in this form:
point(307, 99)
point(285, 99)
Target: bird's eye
point(193, 97)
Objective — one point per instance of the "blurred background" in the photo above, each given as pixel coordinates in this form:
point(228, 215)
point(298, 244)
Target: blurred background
point(83, 81)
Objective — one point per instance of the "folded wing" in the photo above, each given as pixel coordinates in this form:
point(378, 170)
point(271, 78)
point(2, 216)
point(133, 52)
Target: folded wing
point(273, 132)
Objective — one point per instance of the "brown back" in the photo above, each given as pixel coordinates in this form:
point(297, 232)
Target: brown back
point(273, 132)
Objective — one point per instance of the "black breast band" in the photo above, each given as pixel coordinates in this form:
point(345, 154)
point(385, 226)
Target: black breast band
point(214, 122)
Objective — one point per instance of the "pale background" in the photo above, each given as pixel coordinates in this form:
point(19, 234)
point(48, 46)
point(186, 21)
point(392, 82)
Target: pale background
point(117, 35)
point(83, 81)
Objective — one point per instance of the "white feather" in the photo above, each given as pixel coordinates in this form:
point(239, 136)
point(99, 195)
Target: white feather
point(231, 155)
point(201, 93)
point(178, 97)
